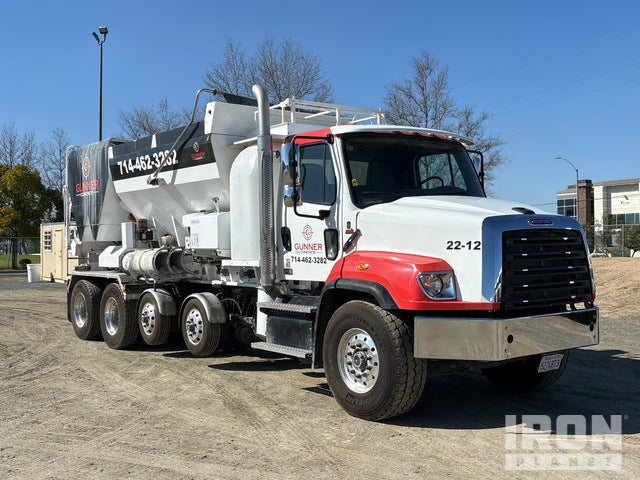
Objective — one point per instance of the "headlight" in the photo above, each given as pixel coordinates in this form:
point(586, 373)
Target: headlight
point(438, 285)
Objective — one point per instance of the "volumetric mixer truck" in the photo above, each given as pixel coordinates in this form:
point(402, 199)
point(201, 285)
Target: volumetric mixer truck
point(317, 231)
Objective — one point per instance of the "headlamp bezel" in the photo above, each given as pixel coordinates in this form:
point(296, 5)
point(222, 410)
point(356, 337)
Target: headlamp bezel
point(438, 285)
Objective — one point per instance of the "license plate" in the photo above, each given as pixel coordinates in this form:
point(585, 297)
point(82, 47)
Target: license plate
point(550, 362)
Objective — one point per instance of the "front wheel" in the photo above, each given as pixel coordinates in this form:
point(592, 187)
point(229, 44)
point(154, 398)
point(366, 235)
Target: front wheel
point(369, 362)
point(200, 335)
point(522, 375)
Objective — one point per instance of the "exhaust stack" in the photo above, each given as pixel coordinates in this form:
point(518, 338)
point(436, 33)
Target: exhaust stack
point(265, 176)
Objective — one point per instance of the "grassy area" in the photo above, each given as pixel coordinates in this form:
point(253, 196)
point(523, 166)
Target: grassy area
point(5, 261)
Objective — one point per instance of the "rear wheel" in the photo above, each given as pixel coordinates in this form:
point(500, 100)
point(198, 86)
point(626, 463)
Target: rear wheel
point(154, 326)
point(522, 375)
point(117, 319)
point(200, 336)
point(85, 310)
point(369, 362)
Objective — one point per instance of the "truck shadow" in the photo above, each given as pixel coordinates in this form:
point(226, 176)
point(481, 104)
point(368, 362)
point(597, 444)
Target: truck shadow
point(596, 382)
point(243, 360)
point(265, 363)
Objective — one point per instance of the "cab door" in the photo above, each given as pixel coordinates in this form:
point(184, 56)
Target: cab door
point(310, 212)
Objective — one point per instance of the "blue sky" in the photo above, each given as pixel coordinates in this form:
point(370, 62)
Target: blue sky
point(559, 77)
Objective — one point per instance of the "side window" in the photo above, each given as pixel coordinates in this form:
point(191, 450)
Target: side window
point(439, 170)
point(317, 177)
point(457, 179)
point(359, 171)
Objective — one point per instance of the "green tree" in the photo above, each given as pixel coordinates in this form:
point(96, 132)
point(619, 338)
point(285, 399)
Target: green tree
point(25, 202)
point(632, 237)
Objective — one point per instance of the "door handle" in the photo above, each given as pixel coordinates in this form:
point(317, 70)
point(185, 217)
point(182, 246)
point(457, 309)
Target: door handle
point(351, 240)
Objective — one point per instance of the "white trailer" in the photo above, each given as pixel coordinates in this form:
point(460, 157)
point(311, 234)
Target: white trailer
point(317, 231)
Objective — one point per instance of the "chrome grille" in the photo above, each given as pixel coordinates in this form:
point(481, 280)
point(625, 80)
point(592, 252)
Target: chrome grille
point(544, 268)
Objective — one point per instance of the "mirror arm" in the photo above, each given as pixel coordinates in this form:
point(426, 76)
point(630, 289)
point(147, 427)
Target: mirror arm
point(322, 214)
point(481, 172)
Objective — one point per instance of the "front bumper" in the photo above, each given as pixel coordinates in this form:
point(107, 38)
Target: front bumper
point(491, 339)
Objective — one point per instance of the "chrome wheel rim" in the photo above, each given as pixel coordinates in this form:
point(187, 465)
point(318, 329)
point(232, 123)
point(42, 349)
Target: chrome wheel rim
point(194, 326)
point(111, 316)
point(80, 315)
point(358, 360)
point(148, 318)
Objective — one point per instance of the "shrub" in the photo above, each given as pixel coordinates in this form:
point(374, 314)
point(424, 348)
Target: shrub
point(24, 262)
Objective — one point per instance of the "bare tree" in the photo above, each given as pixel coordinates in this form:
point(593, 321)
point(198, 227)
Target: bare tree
point(283, 68)
point(9, 145)
point(232, 73)
point(53, 159)
point(471, 124)
point(29, 149)
point(143, 121)
point(16, 149)
point(425, 100)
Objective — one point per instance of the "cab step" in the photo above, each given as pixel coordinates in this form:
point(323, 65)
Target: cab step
point(305, 305)
point(283, 349)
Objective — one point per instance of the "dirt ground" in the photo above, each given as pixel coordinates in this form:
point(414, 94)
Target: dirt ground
point(71, 409)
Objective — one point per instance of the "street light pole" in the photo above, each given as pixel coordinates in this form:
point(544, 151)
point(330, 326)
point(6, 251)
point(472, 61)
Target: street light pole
point(577, 200)
point(103, 31)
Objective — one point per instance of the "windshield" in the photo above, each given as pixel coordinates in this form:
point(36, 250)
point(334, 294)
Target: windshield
point(385, 167)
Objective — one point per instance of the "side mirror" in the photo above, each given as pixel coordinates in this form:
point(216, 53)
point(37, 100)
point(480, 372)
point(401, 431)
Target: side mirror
point(478, 162)
point(331, 243)
point(289, 175)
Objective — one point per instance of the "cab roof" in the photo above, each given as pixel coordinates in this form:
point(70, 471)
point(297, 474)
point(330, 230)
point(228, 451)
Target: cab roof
point(428, 132)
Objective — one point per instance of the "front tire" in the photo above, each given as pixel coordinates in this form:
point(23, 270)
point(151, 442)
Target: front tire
point(85, 310)
point(369, 363)
point(200, 335)
point(522, 375)
point(117, 319)
point(154, 326)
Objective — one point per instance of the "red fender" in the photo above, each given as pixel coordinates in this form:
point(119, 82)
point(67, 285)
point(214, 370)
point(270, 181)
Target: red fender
point(398, 273)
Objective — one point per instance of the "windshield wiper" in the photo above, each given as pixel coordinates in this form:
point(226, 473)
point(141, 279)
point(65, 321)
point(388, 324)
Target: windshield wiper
point(368, 201)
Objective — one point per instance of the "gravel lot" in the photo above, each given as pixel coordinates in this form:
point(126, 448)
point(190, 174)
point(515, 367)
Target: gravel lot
point(75, 409)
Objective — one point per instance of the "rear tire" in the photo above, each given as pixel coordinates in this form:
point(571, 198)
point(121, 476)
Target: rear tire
point(522, 375)
point(85, 310)
point(200, 336)
point(117, 319)
point(369, 363)
point(154, 326)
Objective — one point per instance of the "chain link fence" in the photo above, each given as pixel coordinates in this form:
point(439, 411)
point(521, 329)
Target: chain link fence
point(613, 240)
point(16, 253)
